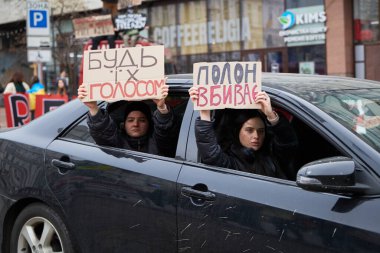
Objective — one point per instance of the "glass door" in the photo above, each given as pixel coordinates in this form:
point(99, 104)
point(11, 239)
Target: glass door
point(273, 60)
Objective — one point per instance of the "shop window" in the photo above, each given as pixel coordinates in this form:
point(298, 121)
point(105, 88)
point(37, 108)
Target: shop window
point(291, 4)
point(162, 26)
point(307, 59)
point(224, 25)
point(192, 27)
point(272, 10)
point(366, 20)
point(252, 10)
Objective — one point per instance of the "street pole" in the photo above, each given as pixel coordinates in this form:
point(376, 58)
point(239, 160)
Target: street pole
point(39, 72)
point(53, 42)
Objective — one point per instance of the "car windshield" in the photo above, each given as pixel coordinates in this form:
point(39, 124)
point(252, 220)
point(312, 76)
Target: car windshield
point(358, 110)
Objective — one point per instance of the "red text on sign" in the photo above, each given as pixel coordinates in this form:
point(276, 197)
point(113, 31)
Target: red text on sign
point(129, 89)
point(216, 95)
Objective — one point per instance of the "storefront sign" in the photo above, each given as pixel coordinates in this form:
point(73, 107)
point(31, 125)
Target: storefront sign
point(130, 21)
point(304, 26)
point(93, 26)
point(213, 32)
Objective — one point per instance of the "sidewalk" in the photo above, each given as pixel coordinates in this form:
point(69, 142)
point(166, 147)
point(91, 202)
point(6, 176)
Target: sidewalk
point(3, 119)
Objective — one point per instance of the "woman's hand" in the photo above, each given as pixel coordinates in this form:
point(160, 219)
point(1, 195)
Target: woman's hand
point(263, 99)
point(92, 106)
point(194, 95)
point(193, 92)
point(161, 106)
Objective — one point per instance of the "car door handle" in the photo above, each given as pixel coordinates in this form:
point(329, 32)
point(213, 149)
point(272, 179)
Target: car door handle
point(62, 165)
point(192, 193)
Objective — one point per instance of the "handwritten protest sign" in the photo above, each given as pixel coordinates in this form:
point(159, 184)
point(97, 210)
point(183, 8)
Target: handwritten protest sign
point(93, 26)
point(134, 73)
point(227, 84)
point(47, 103)
point(16, 109)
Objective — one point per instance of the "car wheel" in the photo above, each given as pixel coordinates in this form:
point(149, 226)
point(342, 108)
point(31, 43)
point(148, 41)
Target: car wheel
point(39, 229)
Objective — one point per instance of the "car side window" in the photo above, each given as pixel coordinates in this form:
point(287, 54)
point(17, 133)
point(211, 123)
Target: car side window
point(80, 132)
point(176, 101)
point(311, 145)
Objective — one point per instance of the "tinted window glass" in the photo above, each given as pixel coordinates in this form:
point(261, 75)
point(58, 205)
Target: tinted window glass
point(311, 146)
point(116, 110)
point(80, 132)
point(358, 110)
point(366, 20)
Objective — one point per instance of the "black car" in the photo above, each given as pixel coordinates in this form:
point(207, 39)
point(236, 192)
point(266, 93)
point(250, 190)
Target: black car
point(61, 192)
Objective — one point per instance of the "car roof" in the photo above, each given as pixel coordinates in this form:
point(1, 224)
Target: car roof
point(295, 83)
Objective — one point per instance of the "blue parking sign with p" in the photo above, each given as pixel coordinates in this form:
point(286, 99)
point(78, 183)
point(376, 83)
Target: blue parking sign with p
point(38, 19)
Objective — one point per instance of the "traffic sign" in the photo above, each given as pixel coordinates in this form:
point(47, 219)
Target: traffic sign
point(39, 41)
point(38, 18)
point(39, 55)
point(38, 23)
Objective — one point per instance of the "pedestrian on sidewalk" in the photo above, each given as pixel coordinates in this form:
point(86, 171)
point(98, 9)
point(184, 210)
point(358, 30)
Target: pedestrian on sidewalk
point(37, 89)
point(17, 84)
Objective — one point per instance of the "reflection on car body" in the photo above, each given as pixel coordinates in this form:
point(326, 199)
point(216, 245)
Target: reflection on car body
point(54, 179)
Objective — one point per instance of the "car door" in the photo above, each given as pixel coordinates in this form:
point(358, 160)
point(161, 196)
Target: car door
point(222, 210)
point(114, 200)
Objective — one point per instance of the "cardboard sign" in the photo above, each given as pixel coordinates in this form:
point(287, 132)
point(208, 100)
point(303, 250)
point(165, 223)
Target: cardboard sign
point(134, 73)
point(227, 84)
point(47, 103)
point(93, 26)
point(16, 109)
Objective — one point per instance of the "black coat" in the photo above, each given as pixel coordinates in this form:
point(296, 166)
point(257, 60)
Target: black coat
point(273, 159)
point(111, 1)
point(105, 131)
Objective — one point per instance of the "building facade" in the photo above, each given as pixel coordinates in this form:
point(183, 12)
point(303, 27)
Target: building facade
point(13, 37)
point(334, 37)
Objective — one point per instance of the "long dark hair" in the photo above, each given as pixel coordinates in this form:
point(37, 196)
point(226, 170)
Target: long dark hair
point(17, 80)
point(259, 161)
point(17, 77)
point(262, 161)
point(61, 90)
point(228, 123)
point(241, 117)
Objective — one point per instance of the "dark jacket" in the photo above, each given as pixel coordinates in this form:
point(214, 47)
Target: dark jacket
point(111, 1)
point(105, 131)
point(273, 158)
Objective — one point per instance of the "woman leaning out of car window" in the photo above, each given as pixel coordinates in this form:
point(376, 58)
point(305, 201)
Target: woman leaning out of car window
point(262, 141)
point(140, 131)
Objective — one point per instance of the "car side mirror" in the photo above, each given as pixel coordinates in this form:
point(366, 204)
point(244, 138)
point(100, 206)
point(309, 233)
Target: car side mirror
point(335, 174)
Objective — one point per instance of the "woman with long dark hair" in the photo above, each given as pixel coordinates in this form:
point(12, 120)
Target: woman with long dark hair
point(16, 84)
point(61, 88)
point(256, 141)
